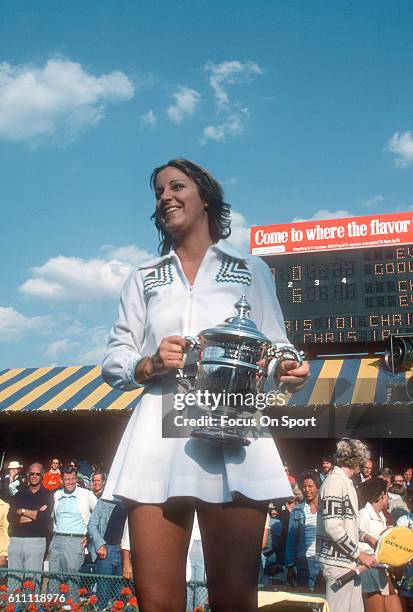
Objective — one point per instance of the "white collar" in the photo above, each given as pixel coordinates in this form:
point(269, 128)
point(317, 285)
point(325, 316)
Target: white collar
point(341, 473)
point(72, 494)
point(373, 514)
point(222, 245)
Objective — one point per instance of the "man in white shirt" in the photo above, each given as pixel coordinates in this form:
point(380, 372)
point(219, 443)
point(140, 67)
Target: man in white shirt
point(72, 509)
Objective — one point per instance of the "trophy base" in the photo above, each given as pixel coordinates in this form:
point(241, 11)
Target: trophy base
point(226, 435)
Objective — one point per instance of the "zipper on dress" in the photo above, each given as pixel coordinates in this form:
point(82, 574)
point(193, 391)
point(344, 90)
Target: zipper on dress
point(189, 320)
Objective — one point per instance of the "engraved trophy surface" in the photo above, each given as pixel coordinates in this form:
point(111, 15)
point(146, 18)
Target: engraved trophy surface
point(229, 355)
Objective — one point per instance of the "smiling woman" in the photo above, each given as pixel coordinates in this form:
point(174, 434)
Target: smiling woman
point(184, 174)
point(192, 286)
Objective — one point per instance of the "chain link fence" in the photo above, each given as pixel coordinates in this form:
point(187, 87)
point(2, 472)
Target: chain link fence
point(22, 591)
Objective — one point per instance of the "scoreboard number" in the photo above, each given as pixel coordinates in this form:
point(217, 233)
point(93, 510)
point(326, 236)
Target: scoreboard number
point(357, 295)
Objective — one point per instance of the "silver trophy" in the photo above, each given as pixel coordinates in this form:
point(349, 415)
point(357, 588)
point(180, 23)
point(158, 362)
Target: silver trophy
point(234, 357)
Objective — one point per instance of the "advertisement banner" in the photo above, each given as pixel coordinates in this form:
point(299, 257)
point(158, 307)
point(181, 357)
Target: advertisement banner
point(333, 234)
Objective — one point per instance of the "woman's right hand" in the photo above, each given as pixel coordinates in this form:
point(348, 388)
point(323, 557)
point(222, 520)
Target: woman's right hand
point(366, 559)
point(170, 355)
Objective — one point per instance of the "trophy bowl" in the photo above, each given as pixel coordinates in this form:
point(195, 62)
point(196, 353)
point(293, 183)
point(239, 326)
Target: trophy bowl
point(234, 359)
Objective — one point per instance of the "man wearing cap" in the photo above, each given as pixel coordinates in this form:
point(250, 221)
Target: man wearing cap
point(29, 518)
point(12, 481)
point(72, 509)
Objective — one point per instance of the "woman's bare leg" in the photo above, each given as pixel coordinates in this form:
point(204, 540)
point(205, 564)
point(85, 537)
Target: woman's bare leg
point(232, 536)
point(374, 602)
point(160, 537)
point(392, 603)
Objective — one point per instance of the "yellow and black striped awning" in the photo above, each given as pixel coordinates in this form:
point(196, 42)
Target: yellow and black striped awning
point(59, 389)
point(348, 380)
point(332, 381)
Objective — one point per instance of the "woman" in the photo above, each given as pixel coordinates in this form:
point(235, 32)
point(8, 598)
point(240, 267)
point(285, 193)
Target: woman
point(379, 594)
point(407, 585)
point(192, 286)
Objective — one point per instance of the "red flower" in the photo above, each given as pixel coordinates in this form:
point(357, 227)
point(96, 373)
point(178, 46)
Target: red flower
point(133, 601)
point(3, 587)
point(117, 605)
point(126, 591)
point(28, 584)
point(4, 597)
point(82, 591)
point(10, 608)
point(69, 602)
point(93, 599)
point(64, 588)
point(31, 608)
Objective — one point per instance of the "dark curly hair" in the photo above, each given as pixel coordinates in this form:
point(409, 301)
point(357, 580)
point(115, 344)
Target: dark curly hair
point(219, 212)
point(310, 475)
point(372, 489)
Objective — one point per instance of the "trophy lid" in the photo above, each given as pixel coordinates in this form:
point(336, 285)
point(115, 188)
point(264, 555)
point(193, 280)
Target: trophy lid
point(240, 325)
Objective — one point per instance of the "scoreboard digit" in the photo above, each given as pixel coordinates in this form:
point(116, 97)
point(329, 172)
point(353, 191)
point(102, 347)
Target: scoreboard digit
point(354, 295)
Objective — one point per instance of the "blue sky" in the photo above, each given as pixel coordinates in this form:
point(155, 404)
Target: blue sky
point(301, 110)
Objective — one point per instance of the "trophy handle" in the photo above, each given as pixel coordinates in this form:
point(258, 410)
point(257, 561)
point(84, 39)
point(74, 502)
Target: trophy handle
point(192, 343)
point(280, 353)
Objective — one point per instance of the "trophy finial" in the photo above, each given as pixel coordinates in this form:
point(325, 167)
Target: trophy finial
point(243, 307)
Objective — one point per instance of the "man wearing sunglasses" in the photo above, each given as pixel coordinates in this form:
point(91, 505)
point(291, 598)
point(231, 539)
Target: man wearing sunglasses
point(29, 518)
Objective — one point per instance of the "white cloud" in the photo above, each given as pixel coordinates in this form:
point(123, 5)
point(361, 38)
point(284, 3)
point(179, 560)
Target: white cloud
point(233, 126)
point(61, 98)
point(59, 347)
point(234, 113)
point(80, 345)
point(228, 73)
point(240, 231)
point(128, 254)
point(231, 181)
point(14, 324)
point(73, 278)
point(92, 351)
point(323, 213)
point(186, 101)
point(149, 118)
point(402, 146)
point(373, 201)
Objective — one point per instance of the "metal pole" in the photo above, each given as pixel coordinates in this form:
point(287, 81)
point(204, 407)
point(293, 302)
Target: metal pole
point(381, 458)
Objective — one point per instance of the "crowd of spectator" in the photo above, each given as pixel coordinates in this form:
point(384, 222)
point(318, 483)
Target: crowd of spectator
point(289, 556)
point(55, 519)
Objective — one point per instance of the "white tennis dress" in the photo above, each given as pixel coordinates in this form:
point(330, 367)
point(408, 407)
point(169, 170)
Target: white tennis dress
point(157, 301)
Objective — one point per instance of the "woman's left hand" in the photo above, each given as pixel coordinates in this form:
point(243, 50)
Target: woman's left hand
point(293, 375)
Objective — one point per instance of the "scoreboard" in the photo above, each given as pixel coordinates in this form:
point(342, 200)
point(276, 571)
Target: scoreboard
point(346, 287)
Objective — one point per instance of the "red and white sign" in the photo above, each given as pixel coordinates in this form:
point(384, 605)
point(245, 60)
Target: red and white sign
point(333, 234)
